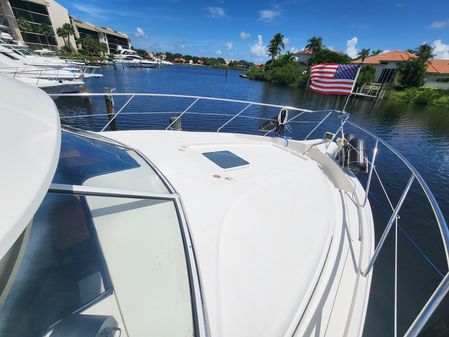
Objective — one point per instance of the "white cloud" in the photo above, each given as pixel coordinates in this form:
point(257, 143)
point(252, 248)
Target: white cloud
point(268, 15)
point(245, 35)
point(439, 24)
point(258, 49)
point(440, 49)
point(228, 45)
point(140, 33)
point(351, 49)
point(286, 40)
point(218, 52)
point(181, 46)
point(216, 12)
point(91, 10)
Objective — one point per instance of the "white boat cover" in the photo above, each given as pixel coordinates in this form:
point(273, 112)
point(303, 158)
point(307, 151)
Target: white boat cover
point(31, 138)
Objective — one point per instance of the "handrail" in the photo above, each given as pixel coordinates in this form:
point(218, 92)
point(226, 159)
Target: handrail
point(205, 98)
point(431, 198)
point(443, 287)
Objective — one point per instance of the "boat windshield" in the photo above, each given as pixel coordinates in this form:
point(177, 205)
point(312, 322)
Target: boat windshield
point(95, 265)
point(93, 162)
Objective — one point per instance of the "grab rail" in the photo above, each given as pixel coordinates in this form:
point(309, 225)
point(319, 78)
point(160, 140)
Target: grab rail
point(443, 287)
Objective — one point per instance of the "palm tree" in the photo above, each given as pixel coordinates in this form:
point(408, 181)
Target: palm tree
point(47, 31)
point(424, 52)
point(315, 43)
point(376, 52)
point(65, 32)
point(364, 53)
point(24, 24)
point(276, 45)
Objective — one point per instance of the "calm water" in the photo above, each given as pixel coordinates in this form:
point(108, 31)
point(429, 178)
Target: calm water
point(420, 133)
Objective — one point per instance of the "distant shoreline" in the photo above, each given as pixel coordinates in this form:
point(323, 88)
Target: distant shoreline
point(204, 66)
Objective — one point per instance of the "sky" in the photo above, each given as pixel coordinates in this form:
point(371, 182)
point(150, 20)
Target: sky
point(242, 29)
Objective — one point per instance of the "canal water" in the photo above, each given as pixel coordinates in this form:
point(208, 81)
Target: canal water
point(420, 133)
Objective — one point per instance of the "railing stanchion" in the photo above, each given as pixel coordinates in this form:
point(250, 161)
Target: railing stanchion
point(234, 117)
point(316, 126)
point(396, 278)
point(389, 225)
point(432, 304)
point(118, 112)
point(370, 175)
point(188, 108)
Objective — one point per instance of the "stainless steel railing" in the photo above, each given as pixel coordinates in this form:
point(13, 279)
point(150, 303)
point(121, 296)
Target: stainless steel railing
point(443, 287)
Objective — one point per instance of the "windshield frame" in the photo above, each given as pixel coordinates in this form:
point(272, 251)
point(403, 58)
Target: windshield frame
point(200, 322)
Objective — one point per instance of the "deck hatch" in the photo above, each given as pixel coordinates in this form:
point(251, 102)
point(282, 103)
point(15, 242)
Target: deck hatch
point(225, 159)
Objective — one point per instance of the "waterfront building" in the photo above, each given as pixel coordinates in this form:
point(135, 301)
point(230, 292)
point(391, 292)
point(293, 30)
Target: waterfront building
point(438, 74)
point(386, 65)
point(303, 56)
point(24, 20)
point(110, 37)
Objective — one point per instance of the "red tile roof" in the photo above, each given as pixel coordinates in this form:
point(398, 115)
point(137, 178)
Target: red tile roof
point(438, 67)
point(391, 56)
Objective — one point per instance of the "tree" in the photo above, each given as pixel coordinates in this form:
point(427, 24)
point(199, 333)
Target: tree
point(24, 24)
point(92, 47)
point(65, 31)
point(315, 43)
point(364, 53)
point(366, 75)
point(412, 73)
point(424, 52)
point(329, 56)
point(276, 45)
point(46, 31)
point(376, 52)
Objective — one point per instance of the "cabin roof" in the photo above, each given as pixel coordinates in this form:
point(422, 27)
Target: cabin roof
point(32, 136)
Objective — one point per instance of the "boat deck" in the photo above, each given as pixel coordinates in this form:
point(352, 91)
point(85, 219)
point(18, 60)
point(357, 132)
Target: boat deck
point(269, 234)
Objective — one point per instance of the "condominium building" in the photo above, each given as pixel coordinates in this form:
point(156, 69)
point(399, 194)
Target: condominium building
point(110, 37)
point(28, 21)
point(25, 19)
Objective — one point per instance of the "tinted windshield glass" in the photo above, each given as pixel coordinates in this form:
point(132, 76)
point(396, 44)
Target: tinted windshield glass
point(92, 162)
point(58, 270)
point(56, 281)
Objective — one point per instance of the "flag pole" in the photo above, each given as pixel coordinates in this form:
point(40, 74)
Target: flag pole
point(353, 85)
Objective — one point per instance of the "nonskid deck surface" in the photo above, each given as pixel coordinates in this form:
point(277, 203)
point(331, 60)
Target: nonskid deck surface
point(262, 232)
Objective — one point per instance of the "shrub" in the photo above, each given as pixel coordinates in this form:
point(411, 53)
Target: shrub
point(256, 73)
point(366, 75)
point(412, 73)
point(441, 101)
point(285, 75)
point(424, 96)
point(329, 56)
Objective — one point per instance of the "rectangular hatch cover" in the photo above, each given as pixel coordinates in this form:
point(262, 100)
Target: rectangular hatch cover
point(225, 159)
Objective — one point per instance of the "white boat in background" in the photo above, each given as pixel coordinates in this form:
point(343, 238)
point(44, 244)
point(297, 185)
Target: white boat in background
point(130, 58)
point(37, 58)
point(187, 233)
point(14, 56)
point(163, 63)
point(52, 87)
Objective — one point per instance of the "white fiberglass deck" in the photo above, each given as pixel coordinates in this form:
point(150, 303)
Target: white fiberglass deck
point(262, 232)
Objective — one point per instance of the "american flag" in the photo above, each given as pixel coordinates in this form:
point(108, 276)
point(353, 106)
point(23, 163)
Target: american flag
point(333, 79)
